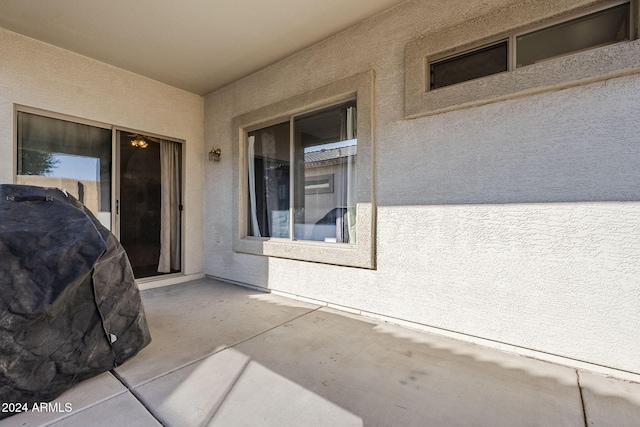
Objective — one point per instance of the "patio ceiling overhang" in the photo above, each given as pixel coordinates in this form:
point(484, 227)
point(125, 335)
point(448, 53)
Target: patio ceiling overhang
point(198, 46)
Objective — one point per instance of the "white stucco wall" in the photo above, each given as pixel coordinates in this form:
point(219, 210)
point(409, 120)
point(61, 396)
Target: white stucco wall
point(515, 222)
point(38, 75)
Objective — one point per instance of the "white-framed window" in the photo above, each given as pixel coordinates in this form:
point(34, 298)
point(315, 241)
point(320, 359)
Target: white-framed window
point(519, 50)
point(304, 176)
point(590, 29)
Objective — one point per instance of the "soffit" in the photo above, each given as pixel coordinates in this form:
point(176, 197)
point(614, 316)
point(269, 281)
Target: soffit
point(195, 45)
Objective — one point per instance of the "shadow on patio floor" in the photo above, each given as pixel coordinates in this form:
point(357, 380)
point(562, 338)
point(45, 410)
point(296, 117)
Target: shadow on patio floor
point(224, 355)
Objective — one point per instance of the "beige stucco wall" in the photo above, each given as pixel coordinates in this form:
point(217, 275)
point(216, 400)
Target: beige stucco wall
point(38, 75)
point(516, 221)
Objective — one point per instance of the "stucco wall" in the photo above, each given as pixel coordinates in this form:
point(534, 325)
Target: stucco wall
point(38, 75)
point(516, 222)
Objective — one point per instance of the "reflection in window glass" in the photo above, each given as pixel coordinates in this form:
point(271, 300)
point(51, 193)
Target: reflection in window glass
point(468, 66)
point(268, 166)
point(67, 155)
point(587, 32)
point(325, 148)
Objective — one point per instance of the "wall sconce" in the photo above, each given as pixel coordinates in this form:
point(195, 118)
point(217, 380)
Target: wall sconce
point(214, 155)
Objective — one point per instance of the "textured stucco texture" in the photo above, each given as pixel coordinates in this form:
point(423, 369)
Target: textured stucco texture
point(515, 222)
point(38, 75)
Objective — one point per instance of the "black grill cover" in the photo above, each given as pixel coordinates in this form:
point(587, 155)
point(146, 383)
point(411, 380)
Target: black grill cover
point(69, 306)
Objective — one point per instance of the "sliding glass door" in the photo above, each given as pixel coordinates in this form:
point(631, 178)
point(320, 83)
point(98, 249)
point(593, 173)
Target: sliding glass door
point(73, 156)
point(131, 182)
point(150, 203)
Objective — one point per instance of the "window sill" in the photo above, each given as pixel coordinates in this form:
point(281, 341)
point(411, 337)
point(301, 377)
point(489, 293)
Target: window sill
point(359, 254)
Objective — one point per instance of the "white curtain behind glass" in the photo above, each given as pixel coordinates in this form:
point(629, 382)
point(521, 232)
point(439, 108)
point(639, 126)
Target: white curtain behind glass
point(171, 200)
point(352, 126)
point(251, 152)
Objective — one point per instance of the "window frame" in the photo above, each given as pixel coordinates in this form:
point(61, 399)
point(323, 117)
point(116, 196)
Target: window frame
point(291, 120)
point(513, 40)
point(114, 226)
point(19, 108)
point(553, 73)
point(476, 49)
point(361, 253)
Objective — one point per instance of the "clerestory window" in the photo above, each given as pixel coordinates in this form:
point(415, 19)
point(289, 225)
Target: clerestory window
point(570, 35)
point(520, 50)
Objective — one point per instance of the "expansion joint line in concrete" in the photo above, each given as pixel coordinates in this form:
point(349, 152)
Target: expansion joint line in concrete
point(135, 395)
point(274, 327)
point(139, 399)
point(214, 410)
point(584, 410)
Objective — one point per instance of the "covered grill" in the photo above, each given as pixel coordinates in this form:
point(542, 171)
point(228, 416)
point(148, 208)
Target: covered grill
point(69, 305)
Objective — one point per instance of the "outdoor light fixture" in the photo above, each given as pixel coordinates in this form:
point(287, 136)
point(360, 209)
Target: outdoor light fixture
point(214, 155)
point(139, 142)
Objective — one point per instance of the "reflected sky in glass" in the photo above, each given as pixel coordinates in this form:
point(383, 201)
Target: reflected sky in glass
point(82, 168)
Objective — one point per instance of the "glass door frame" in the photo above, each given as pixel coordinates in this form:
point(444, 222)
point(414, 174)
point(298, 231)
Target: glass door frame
point(115, 170)
point(116, 217)
point(68, 118)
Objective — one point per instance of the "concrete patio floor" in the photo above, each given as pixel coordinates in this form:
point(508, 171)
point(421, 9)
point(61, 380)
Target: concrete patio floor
point(224, 355)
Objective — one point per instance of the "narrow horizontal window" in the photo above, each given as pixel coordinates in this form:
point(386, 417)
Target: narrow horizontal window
point(569, 44)
point(587, 32)
point(470, 65)
point(318, 184)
